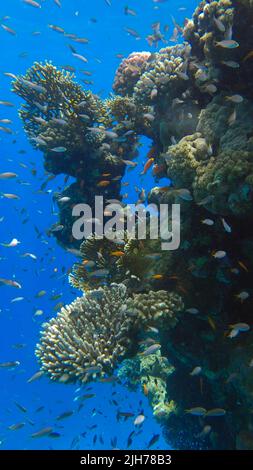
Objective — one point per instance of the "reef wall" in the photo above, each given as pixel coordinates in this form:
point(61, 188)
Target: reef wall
point(180, 320)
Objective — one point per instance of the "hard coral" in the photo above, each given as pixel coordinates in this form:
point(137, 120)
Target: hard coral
point(88, 337)
point(129, 72)
point(165, 77)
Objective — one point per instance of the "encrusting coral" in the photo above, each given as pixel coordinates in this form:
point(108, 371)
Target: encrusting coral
point(151, 373)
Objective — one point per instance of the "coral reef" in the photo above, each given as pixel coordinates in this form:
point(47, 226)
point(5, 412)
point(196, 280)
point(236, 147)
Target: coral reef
point(191, 306)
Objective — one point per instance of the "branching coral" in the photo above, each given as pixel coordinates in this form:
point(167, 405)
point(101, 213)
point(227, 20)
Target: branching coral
point(160, 309)
point(54, 104)
point(165, 77)
point(89, 337)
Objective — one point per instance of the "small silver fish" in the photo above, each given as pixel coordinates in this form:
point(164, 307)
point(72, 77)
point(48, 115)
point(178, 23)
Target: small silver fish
point(151, 350)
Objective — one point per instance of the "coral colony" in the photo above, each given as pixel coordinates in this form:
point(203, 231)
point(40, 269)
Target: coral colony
point(176, 323)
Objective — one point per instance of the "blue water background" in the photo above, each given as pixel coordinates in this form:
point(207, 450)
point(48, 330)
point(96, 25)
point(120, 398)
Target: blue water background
point(18, 325)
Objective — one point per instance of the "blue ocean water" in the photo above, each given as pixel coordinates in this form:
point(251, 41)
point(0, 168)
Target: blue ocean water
point(28, 219)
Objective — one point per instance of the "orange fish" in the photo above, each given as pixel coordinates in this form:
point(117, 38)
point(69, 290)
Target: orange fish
point(103, 184)
point(248, 56)
point(157, 276)
point(165, 188)
point(117, 253)
point(157, 169)
point(211, 323)
point(243, 266)
point(152, 152)
point(147, 166)
point(11, 196)
point(145, 389)
point(9, 30)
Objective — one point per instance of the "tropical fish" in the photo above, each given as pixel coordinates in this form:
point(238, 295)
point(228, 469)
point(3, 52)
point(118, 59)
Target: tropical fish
point(139, 420)
point(9, 30)
point(7, 175)
point(10, 282)
point(235, 99)
point(196, 371)
point(14, 242)
point(64, 415)
point(42, 433)
point(10, 196)
point(59, 149)
point(242, 296)
point(219, 24)
point(226, 226)
point(215, 412)
point(32, 3)
point(153, 440)
point(35, 376)
point(197, 411)
point(209, 222)
point(231, 63)
point(192, 310)
point(16, 427)
point(9, 365)
point(103, 184)
point(151, 350)
point(227, 44)
point(147, 166)
point(219, 254)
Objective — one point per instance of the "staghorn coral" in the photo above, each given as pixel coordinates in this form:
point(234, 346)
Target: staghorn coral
point(129, 72)
point(88, 337)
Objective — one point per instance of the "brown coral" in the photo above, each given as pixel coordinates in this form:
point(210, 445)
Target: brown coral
point(129, 72)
